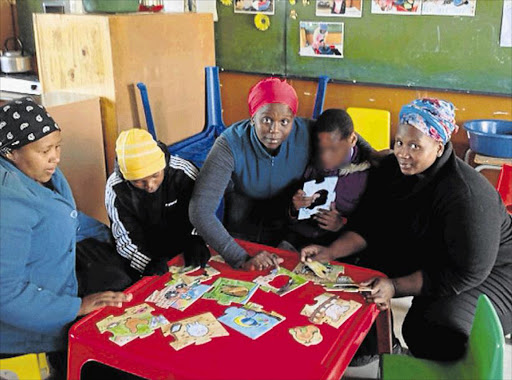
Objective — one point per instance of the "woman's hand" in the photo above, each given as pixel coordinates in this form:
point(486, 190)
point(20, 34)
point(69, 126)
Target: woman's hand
point(330, 220)
point(317, 253)
point(98, 300)
point(301, 200)
point(383, 289)
point(262, 261)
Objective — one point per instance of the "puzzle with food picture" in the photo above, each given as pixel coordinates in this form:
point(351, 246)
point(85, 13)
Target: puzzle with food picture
point(178, 295)
point(226, 290)
point(319, 273)
point(197, 330)
point(136, 322)
point(307, 335)
point(251, 320)
point(294, 281)
point(330, 309)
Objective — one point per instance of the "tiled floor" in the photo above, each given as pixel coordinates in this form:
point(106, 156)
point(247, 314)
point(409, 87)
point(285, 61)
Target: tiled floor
point(400, 307)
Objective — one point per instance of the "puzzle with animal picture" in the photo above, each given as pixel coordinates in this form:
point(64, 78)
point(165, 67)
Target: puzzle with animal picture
point(200, 275)
point(294, 281)
point(178, 295)
point(307, 335)
point(226, 290)
point(136, 322)
point(330, 309)
point(319, 273)
point(251, 320)
point(198, 330)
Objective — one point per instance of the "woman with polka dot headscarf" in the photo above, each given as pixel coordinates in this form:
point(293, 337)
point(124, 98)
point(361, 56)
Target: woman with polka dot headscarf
point(39, 226)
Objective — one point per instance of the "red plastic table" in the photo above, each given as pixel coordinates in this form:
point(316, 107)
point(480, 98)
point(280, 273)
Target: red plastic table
point(275, 355)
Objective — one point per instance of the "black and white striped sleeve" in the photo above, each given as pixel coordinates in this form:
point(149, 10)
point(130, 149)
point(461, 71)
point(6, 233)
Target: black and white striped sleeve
point(124, 227)
point(185, 166)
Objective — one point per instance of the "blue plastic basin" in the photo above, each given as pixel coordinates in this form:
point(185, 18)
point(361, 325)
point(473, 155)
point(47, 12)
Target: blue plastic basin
point(490, 137)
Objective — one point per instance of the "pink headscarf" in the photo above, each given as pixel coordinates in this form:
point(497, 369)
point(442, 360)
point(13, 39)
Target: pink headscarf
point(272, 90)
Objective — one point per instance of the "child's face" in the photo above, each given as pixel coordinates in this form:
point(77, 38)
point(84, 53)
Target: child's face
point(150, 183)
point(334, 151)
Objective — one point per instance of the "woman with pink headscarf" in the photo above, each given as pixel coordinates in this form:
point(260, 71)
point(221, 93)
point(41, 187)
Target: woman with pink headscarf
point(256, 165)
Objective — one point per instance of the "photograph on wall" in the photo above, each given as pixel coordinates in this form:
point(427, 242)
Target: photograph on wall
point(339, 8)
point(321, 39)
point(254, 6)
point(506, 25)
point(396, 7)
point(448, 7)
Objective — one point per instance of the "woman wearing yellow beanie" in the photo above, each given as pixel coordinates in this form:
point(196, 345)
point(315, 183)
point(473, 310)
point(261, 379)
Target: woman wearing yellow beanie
point(147, 199)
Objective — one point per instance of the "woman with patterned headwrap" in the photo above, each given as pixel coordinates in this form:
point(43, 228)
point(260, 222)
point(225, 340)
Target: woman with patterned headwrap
point(39, 230)
point(437, 228)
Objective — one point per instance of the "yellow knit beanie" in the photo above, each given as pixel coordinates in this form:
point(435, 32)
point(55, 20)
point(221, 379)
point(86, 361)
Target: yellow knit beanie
point(138, 155)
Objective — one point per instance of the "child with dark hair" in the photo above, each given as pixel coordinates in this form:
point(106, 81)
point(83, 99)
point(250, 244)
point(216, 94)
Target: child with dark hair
point(338, 151)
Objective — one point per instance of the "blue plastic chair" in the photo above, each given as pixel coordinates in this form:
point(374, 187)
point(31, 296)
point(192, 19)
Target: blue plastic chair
point(320, 96)
point(194, 148)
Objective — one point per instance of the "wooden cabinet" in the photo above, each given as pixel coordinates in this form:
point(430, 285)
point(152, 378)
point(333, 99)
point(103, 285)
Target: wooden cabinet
point(106, 55)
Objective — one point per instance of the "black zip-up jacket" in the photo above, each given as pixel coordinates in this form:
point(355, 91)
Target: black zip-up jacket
point(151, 226)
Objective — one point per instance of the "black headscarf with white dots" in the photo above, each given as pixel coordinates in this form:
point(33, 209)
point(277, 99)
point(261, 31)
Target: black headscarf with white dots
point(22, 122)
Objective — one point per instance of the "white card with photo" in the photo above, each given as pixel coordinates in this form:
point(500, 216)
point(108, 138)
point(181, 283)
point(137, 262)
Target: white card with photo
point(321, 39)
point(254, 6)
point(506, 24)
point(327, 195)
point(449, 7)
point(397, 7)
point(339, 8)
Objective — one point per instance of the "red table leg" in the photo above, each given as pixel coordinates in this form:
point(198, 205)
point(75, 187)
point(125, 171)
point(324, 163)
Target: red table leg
point(384, 331)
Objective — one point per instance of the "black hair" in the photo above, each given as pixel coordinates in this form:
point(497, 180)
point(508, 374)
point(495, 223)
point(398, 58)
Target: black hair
point(335, 120)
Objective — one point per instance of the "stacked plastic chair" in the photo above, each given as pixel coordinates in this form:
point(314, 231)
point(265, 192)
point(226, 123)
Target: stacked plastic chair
point(195, 148)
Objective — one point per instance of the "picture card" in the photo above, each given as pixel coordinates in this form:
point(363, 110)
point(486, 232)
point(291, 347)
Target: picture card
point(254, 6)
point(226, 290)
point(330, 309)
point(178, 295)
point(293, 282)
point(396, 7)
point(339, 8)
point(321, 39)
point(136, 322)
point(449, 7)
point(196, 330)
point(309, 335)
point(326, 195)
point(330, 274)
point(251, 320)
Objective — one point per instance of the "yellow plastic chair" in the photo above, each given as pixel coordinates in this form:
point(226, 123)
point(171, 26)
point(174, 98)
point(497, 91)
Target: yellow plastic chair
point(374, 125)
point(25, 367)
